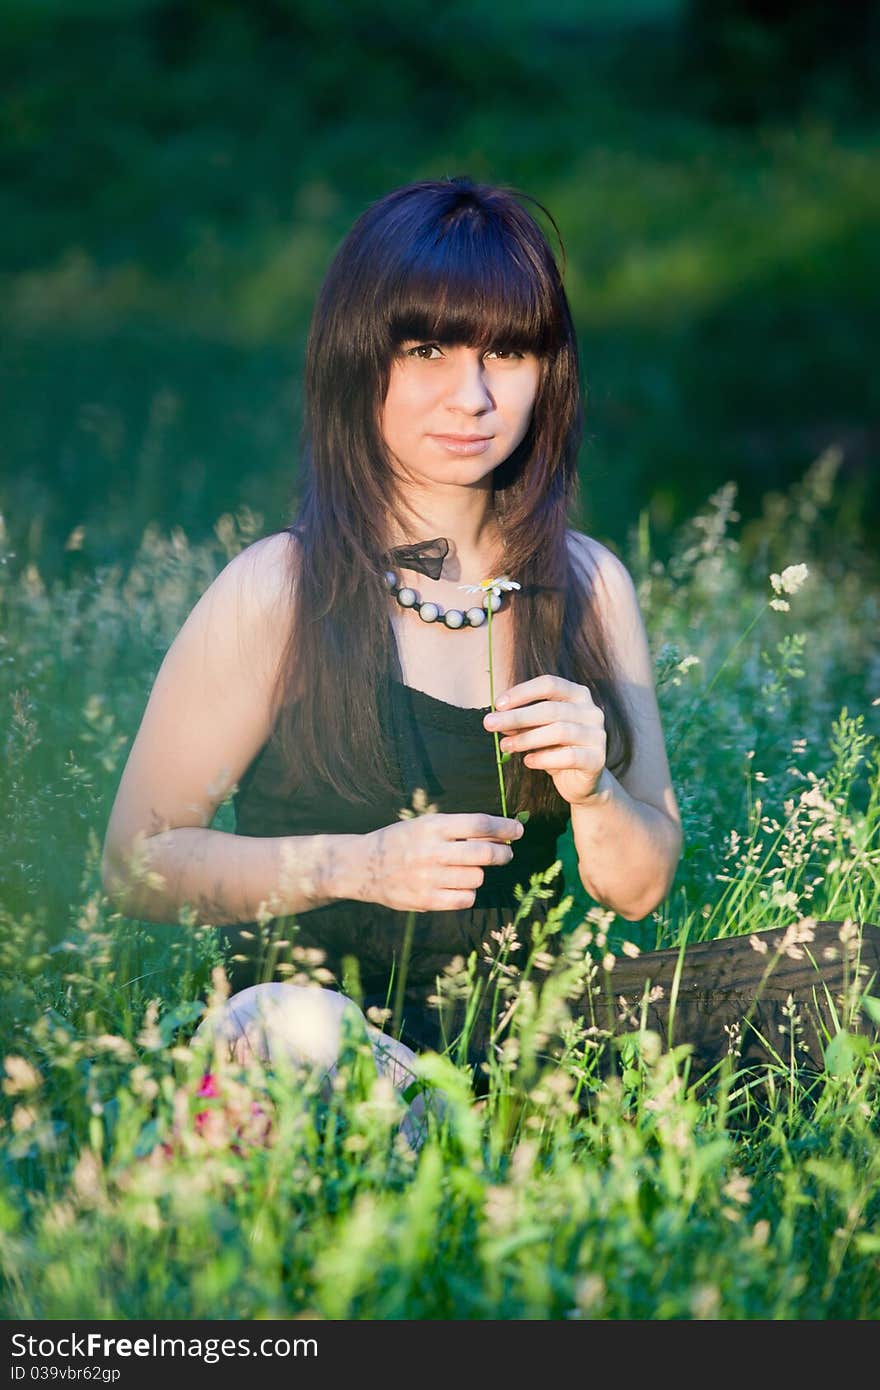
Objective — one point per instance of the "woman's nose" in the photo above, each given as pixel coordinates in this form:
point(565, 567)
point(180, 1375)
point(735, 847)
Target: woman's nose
point(469, 388)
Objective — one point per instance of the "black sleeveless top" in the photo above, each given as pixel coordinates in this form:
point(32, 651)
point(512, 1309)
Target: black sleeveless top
point(444, 750)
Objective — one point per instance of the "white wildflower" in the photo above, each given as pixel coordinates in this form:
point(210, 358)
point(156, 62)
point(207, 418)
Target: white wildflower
point(491, 586)
point(20, 1076)
point(792, 578)
point(589, 1293)
point(738, 1189)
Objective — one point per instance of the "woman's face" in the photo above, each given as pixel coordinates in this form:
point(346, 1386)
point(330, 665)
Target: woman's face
point(453, 413)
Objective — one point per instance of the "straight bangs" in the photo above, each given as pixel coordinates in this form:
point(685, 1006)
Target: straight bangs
point(469, 288)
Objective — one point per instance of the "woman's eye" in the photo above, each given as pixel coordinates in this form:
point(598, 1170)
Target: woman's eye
point(425, 352)
point(503, 354)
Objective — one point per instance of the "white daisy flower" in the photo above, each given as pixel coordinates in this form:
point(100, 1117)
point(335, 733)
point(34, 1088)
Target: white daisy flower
point(491, 586)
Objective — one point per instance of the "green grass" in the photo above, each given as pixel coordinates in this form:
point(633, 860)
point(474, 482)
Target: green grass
point(565, 1192)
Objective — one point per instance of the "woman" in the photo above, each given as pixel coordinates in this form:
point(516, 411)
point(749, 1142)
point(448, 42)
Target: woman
point(335, 674)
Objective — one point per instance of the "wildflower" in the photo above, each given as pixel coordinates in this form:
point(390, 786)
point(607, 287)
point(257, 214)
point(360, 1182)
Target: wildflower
point(119, 1047)
point(705, 1302)
point(734, 1037)
point(787, 901)
point(601, 917)
point(506, 937)
point(795, 936)
point(420, 806)
point(792, 578)
point(150, 1036)
point(239, 1121)
point(20, 1076)
point(377, 1015)
point(86, 1178)
point(589, 1294)
point(666, 1096)
point(738, 1189)
point(499, 1209)
point(491, 586)
point(143, 1083)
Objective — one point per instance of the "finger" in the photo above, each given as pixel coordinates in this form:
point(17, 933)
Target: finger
point(463, 825)
point(566, 759)
point(548, 711)
point(475, 852)
point(452, 899)
point(540, 688)
point(461, 879)
point(549, 735)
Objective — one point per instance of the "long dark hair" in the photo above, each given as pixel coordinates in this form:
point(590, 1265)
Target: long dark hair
point(448, 261)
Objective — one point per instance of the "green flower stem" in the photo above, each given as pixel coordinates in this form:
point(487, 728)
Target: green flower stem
point(498, 756)
point(403, 970)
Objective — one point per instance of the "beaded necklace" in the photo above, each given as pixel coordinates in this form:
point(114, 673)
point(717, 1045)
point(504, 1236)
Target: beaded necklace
point(431, 612)
point(427, 558)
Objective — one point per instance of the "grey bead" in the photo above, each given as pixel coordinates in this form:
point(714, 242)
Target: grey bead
point(492, 601)
point(453, 617)
point(429, 612)
point(390, 579)
point(476, 616)
point(407, 598)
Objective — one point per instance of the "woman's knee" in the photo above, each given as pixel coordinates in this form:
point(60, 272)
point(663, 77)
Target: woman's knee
point(283, 1024)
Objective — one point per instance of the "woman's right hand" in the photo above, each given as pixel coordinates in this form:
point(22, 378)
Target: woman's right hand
point(435, 862)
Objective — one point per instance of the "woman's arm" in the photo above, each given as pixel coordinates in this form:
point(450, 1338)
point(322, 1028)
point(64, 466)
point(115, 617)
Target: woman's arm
point(626, 831)
point(628, 834)
point(208, 714)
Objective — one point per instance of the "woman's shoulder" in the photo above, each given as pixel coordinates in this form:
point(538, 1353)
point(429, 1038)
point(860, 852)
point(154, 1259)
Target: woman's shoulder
point(597, 565)
point(612, 598)
point(260, 578)
point(245, 617)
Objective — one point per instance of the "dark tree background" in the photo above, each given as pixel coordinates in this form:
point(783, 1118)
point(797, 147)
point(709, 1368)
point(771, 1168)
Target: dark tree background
point(177, 173)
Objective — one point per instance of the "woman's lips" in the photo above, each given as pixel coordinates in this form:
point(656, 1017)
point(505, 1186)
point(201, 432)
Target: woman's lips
point(463, 443)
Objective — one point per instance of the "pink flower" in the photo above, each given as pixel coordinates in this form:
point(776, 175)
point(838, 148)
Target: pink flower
point(240, 1121)
point(209, 1085)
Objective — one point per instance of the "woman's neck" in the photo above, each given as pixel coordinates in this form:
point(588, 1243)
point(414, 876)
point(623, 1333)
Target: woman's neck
point(473, 534)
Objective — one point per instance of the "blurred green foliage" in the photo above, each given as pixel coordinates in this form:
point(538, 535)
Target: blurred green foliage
point(177, 173)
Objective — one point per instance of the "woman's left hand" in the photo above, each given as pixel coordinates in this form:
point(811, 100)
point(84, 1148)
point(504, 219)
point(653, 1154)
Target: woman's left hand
point(563, 732)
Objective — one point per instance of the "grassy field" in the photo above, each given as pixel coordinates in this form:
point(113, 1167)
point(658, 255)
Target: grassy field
point(130, 1190)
